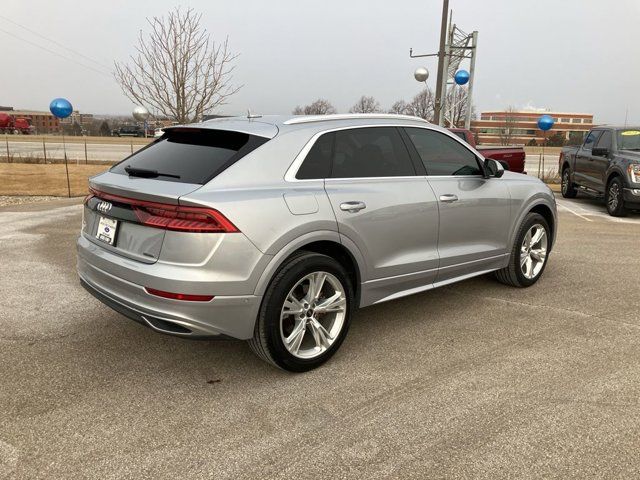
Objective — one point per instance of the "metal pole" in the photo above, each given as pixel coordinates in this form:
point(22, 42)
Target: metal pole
point(443, 91)
point(132, 145)
point(6, 138)
point(66, 166)
point(86, 159)
point(472, 70)
point(543, 144)
point(437, 109)
point(44, 149)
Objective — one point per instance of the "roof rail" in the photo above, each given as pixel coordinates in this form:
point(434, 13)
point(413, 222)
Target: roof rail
point(350, 116)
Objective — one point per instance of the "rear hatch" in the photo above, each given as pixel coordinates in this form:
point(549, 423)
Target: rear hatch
point(133, 205)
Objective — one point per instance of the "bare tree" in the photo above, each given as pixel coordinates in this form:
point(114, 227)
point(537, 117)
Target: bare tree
point(178, 69)
point(507, 130)
point(422, 104)
point(366, 105)
point(400, 108)
point(319, 107)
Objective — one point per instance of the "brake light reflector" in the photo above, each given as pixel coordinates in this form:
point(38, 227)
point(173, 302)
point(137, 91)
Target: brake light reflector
point(175, 217)
point(179, 296)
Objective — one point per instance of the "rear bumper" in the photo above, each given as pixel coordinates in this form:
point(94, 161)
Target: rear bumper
point(232, 316)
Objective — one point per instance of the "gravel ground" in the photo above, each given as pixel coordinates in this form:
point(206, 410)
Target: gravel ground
point(473, 380)
point(6, 200)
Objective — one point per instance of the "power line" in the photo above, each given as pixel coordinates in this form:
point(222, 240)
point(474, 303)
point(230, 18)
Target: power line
point(55, 42)
point(101, 72)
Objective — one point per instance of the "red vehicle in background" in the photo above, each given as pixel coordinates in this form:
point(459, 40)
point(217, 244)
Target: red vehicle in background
point(14, 125)
point(511, 158)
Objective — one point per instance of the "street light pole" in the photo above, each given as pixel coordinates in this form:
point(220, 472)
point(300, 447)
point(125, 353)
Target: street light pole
point(441, 63)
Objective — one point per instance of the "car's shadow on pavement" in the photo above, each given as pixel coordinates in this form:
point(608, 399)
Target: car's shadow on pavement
point(397, 330)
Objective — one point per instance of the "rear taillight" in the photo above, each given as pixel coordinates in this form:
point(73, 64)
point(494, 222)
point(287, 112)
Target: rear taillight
point(175, 217)
point(187, 297)
point(183, 219)
point(88, 197)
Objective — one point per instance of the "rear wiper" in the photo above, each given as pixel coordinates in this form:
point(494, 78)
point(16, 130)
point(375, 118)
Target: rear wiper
point(146, 173)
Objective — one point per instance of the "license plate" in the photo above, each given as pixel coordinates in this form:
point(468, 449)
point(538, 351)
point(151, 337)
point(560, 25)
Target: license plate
point(107, 228)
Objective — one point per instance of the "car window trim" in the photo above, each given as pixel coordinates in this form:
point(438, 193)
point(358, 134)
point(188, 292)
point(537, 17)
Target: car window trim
point(292, 171)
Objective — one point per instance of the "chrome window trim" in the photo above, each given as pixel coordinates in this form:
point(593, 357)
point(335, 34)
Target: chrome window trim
point(290, 175)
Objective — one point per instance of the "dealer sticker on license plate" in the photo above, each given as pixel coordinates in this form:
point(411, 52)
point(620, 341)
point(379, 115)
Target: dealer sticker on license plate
point(107, 230)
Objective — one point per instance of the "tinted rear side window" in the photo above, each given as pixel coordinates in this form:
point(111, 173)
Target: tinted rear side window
point(442, 155)
point(370, 152)
point(317, 163)
point(195, 156)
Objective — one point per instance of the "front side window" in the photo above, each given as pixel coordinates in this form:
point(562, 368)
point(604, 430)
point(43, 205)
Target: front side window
point(605, 140)
point(591, 139)
point(370, 152)
point(443, 155)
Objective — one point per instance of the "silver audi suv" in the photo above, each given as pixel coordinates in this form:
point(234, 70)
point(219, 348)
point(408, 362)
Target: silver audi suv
point(275, 229)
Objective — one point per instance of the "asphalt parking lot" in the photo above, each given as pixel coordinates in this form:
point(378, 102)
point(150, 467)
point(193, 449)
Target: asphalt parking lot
point(475, 380)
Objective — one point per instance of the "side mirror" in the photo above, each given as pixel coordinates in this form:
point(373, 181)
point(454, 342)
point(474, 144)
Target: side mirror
point(493, 168)
point(600, 152)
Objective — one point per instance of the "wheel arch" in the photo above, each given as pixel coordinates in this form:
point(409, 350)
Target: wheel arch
point(611, 175)
point(547, 214)
point(326, 243)
point(541, 204)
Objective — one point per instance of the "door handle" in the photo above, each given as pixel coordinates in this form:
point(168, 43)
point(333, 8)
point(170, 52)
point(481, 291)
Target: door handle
point(448, 198)
point(352, 207)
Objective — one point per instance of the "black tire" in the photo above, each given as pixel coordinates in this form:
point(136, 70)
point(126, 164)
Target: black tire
point(267, 342)
point(568, 189)
point(614, 198)
point(512, 274)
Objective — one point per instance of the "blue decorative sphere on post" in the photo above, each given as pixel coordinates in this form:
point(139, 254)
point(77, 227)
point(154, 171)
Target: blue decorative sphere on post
point(461, 77)
point(61, 107)
point(545, 122)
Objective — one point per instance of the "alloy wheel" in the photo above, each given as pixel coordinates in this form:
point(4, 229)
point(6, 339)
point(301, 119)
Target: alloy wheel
point(565, 182)
point(613, 197)
point(313, 315)
point(533, 251)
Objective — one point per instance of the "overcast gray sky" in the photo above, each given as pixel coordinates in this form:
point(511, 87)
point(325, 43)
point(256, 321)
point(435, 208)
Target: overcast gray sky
point(566, 55)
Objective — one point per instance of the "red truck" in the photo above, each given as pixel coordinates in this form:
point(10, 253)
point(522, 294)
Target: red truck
point(511, 158)
point(12, 124)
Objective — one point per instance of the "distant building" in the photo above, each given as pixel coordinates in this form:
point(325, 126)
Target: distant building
point(42, 122)
point(83, 119)
point(520, 127)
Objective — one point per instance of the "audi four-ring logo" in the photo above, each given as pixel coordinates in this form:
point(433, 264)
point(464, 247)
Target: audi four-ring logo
point(104, 207)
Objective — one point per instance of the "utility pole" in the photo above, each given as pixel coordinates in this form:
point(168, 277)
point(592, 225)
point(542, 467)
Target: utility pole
point(437, 109)
point(455, 46)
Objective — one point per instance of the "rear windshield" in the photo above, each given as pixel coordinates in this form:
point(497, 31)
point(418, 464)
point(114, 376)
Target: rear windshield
point(190, 155)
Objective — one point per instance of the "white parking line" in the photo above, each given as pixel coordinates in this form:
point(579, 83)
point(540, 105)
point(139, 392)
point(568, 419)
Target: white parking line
point(585, 208)
point(563, 206)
